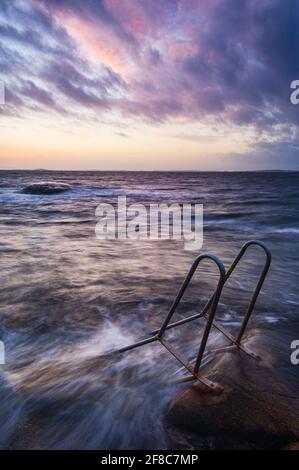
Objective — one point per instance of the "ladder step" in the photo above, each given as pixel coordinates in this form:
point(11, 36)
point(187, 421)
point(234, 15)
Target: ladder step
point(213, 386)
point(235, 344)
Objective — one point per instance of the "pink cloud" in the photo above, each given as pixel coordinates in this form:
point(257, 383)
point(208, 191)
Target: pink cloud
point(135, 22)
point(183, 50)
point(92, 41)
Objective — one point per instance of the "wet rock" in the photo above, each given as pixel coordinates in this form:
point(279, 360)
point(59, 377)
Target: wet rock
point(259, 407)
point(48, 187)
point(292, 446)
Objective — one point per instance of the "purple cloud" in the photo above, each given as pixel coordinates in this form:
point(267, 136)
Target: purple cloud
point(228, 60)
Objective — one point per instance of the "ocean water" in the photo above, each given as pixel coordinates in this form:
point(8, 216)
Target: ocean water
point(67, 297)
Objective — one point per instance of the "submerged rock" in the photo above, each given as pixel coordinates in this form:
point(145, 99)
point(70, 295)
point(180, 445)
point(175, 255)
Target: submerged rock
point(292, 446)
point(46, 187)
point(259, 407)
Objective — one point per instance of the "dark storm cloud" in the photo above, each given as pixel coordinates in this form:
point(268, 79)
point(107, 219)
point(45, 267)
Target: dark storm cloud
point(230, 60)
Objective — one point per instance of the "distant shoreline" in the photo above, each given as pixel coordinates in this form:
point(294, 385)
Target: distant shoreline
point(144, 171)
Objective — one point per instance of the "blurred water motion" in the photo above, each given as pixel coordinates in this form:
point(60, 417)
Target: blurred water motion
point(67, 297)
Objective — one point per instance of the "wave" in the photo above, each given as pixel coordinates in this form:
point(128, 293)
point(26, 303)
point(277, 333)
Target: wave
point(291, 230)
point(232, 225)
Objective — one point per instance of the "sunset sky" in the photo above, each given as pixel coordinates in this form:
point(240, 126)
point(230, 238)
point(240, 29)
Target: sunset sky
point(148, 84)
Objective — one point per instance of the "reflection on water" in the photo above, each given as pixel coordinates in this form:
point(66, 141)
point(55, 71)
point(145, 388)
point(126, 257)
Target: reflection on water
point(67, 297)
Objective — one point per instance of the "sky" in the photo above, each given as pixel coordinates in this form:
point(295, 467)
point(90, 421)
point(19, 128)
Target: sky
point(149, 85)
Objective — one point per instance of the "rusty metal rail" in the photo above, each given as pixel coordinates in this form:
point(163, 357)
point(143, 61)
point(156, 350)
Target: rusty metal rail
point(211, 307)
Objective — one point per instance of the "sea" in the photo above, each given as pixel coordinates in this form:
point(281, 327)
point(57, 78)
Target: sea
point(68, 297)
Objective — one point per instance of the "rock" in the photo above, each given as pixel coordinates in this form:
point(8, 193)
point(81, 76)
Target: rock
point(47, 187)
point(259, 407)
point(292, 446)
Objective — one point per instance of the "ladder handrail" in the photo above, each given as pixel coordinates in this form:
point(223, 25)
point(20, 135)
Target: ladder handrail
point(186, 282)
point(214, 303)
point(259, 284)
point(158, 335)
point(228, 274)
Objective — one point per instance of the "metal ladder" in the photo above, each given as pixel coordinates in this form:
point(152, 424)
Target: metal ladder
point(211, 307)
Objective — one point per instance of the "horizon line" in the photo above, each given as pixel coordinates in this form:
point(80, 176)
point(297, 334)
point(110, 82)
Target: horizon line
point(41, 170)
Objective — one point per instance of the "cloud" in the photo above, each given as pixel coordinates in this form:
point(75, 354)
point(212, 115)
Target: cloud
point(30, 90)
point(281, 155)
point(227, 60)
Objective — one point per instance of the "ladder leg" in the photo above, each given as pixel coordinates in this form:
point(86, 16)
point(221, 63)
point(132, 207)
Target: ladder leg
point(209, 324)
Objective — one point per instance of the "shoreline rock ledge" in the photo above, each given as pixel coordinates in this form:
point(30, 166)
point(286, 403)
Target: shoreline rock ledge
point(46, 187)
point(259, 407)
